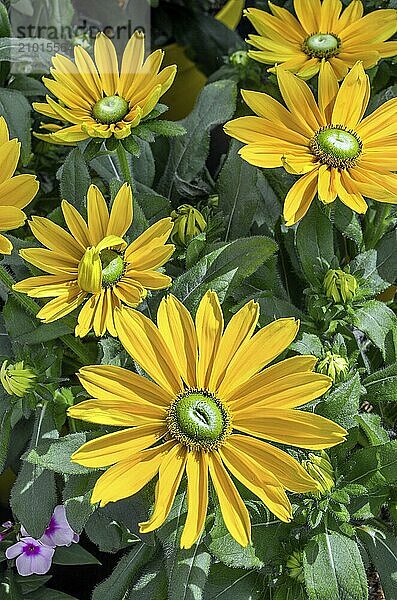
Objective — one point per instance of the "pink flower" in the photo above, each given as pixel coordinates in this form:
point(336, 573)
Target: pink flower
point(32, 556)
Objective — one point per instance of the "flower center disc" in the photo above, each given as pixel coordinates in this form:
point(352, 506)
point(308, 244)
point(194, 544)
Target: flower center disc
point(110, 109)
point(336, 146)
point(112, 267)
point(199, 420)
point(322, 45)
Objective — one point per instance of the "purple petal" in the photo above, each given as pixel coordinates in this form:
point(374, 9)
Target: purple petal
point(58, 532)
point(25, 565)
point(15, 550)
point(76, 538)
point(23, 532)
point(34, 560)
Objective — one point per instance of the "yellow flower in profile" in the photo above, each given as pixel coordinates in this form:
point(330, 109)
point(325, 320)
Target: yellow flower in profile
point(15, 191)
point(322, 31)
point(204, 411)
point(337, 152)
point(99, 99)
point(93, 264)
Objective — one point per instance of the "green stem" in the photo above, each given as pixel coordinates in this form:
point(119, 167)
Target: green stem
point(379, 225)
point(124, 164)
point(33, 308)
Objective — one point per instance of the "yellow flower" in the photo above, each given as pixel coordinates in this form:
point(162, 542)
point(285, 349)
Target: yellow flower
point(204, 411)
point(337, 151)
point(322, 31)
point(98, 98)
point(15, 192)
point(93, 265)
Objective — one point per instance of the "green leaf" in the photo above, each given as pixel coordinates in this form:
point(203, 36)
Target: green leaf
point(373, 467)
point(308, 344)
point(132, 146)
point(347, 223)
point(382, 549)
point(119, 582)
point(381, 386)
point(75, 179)
point(187, 570)
point(5, 430)
point(33, 497)
point(223, 269)
point(54, 455)
point(378, 322)
point(77, 499)
point(225, 583)
point(386, 257)
point(343, 403)
point(188, 153)
point(16, 110)
point(272, 307)
point(48, 594)
point(371, 425)
point(315, 244)
point(364, 267)
point(238, 194)
point(27, 85)
point(166, 128)
point(74, 555)
point(152, 584)
point(333, 568)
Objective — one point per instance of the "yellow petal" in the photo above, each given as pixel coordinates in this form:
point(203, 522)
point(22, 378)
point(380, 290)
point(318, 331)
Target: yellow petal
point(144, 342)
point(209, 327)
point(292, 427)
point(11, 217)
point(352, 13)
point(61, 306)
point(330, 11)
point(326, 184)
point(235, 337)
point(197, 497)
point(299, 99)
point(49, 261)
point(118, 414)
point(4, 133)
point(129, 476)
point(156, 235)
point(348, 192)
point(55, 238)
point(115, 447)
point(121, 214)
point(309, 14)
point(234, 511)
point(285, 468)
point(45, 286)
point(5, 245)
point(170, 475)
point(327, 90)
point(18, 191)
point(177, 328)
point(355, 85)
point(300, 197)
point(89, 276)
point(259, 351)
point(132, 61)
point(76, 224)
point(107, 63)
point(258, 480)
point(98, 215)
point(9, 157)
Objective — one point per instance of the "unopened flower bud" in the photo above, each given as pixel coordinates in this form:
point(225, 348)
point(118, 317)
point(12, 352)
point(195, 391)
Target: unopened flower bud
point(295, 566)
point(321, 470)
point(188, 222)
point(340, 286)
point(16, 379)
point(333, 365)
point(239, 58)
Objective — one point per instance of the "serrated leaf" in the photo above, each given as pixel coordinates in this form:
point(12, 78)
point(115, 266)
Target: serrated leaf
point(117, 585)
point(315, 244)
point(188, 153)
point(238, 194)
point(223, 269)
point(373, 467)
point(151, 584)
point(371, 425)
point(386, 257)
point(378, 322)
point(77, 499)
point(225, 583)
point(75, 179)
point(166, 128)
point(364, 267)
point(54, 455)
point(381, 386)
point(382, 549)
point(343, 403)
point(333, 568)
point(308, 344)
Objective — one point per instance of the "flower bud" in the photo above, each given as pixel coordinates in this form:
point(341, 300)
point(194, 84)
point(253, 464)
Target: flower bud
point(17, 380)
point(333, 365)
point(320, 468)
point(239, 58)
point(340, 286)
point(295, 566)
point(188, 222)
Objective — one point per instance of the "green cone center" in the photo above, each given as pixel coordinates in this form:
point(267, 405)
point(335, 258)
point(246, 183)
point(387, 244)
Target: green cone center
point(199, 417)
point(339, 143)
point(322, 45)
point(110, 109)
point(199, 420)
point(112, 267)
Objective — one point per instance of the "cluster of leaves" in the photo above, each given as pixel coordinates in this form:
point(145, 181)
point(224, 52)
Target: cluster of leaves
point(245, 253)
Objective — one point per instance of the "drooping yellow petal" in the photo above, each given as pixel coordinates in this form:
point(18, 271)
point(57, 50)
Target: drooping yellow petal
point(326, 184)
point(234, 511)
point(129, 476)
point(300, 197)
point(170, 475)
point(258, 480)
point(197, 497)
point(116, 447)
